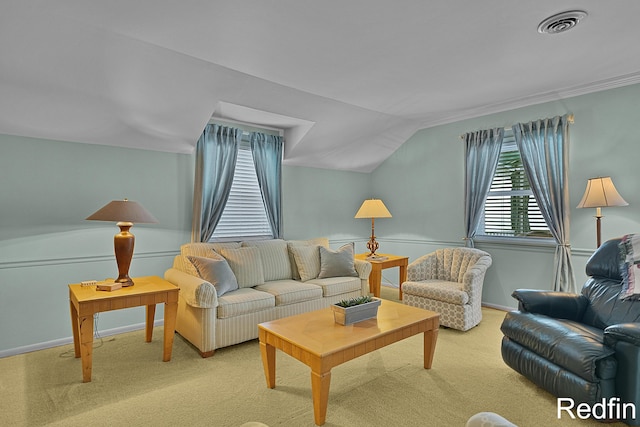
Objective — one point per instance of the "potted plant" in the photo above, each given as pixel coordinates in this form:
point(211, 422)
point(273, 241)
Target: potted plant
point(355, 310)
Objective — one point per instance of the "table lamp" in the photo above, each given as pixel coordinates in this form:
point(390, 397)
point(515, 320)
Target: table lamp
point(373, 208)
point(124, 213)
point(600, 193)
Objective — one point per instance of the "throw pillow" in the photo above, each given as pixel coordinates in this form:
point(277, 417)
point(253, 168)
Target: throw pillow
point(217, 272)
point(307, 259)
point(337, 263)
point(246, 265)
point(318, 241)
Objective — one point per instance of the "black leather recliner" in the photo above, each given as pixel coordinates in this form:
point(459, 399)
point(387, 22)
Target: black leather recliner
point(585, 347)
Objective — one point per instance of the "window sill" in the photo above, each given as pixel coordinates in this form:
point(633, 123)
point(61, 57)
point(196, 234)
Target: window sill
point(518, 241)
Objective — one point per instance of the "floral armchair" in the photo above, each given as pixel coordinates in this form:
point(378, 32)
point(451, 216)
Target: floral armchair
point(449, 281)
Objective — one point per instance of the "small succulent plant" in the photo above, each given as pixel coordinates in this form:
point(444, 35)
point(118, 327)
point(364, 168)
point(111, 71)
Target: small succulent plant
point(354, 301)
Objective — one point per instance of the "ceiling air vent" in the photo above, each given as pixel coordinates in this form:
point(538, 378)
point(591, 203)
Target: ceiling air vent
point(561, 22)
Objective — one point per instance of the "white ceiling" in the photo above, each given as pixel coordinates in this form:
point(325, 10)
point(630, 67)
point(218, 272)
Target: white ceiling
point(350, 80)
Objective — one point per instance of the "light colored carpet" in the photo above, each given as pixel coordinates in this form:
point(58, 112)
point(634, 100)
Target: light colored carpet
point(132, 386)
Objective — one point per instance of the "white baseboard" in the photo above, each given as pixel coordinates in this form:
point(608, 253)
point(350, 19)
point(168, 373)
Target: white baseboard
point(498, 307)
point(69, 340)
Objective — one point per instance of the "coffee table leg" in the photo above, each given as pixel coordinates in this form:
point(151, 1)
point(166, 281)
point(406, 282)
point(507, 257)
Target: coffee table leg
point(430, 338)
point(269, 363)
point(320, 392)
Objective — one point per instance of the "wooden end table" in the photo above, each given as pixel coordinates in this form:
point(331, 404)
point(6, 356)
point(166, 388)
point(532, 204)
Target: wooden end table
point(85, 301)
point(315, 339)
point(377, 266)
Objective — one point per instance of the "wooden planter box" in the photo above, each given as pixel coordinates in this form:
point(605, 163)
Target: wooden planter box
point(357, 313)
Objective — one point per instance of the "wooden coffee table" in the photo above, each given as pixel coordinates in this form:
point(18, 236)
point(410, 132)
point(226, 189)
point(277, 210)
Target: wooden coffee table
point(317, 341)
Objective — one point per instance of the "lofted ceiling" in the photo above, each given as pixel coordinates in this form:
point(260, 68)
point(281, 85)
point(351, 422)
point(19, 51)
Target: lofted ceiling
point(348, 80)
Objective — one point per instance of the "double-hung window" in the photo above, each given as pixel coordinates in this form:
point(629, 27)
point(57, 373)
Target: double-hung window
point(511, 209)
point(244, 216)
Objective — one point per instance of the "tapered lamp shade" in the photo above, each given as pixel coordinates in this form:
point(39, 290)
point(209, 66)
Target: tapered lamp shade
point(600, 193)
point(373, 208)
point(125, 213)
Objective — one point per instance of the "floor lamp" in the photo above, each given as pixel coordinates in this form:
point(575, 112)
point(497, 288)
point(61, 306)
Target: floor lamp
point(124, 213)
point(600, 193)
point(373, 208)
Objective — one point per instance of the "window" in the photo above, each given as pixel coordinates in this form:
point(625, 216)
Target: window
point(244, 216)
point(511, 209)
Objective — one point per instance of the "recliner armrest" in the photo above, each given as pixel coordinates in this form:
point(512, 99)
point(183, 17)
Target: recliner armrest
point(628, 332)
point(559, 305)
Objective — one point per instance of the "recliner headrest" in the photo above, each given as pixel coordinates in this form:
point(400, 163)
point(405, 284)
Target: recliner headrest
point(605, 261)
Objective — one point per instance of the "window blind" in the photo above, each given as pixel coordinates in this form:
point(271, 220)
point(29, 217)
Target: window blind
point(244, 216)
point(511, 208)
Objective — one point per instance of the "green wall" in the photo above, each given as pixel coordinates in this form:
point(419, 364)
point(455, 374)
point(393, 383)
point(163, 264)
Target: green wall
point(422, 183)
point(47, 188)
point(320, 202)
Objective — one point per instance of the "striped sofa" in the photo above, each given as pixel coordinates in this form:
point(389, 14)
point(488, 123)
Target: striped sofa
point(276, 278)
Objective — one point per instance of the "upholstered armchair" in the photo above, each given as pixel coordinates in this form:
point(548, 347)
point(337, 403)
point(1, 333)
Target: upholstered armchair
point(449, 281)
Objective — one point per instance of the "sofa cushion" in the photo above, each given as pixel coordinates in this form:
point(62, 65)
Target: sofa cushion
point(337, 263)
point(571, 345)
point(307, 260)
point(274, 256)
point(332, 286)
point(290, 291)
point(440, 290)
point(319, 241)
point(246, 265)
point(205, 249)
point(244, 301)
point(217, 272)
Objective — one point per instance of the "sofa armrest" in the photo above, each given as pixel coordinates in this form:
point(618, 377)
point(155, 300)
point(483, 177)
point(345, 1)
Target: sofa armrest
point(628, 332)
point(559, 305)
point(196, 292)
point(363, 268)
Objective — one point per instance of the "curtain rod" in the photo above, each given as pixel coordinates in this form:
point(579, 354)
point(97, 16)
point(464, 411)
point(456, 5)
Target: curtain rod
point(238, 122)
point(570, 120)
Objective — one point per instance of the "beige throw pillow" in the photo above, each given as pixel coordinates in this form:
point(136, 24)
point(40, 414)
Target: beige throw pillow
point(246, 265)
point(307, 259)
point(318, 241)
